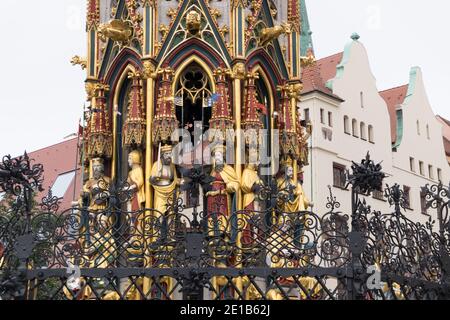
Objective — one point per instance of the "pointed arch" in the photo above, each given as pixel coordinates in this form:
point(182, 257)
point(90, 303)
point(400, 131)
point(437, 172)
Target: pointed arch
point(264, 62)
point(116, 77)
point(183, 64)
point(268, 84)
point(194, 47)
point(126, 56)
point(118, 112)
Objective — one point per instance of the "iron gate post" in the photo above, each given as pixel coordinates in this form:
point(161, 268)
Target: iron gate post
point(193, 282)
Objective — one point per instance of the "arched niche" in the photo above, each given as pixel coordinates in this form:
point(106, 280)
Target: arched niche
point(266, 96)
point(193, 85)
point(119, 113)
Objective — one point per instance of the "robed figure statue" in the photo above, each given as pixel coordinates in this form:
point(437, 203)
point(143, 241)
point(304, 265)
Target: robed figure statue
point(221, 199)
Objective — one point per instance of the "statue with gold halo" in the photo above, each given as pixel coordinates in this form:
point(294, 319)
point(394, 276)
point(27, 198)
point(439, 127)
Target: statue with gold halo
point(223, 187)
point(251, 184)
point(164, 179)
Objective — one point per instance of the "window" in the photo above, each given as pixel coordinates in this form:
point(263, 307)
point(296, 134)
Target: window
point(439, 172)
point(428, 132)
point(327, 134)
point(307, 116)
point(361, 97)
point(421, 169)
point(62, 183)
point(407, 196)
point(371, 134)
point(339, 177)
point(362, 129)
point(418, 127)
point(346, 125)
point(423, 203)
point(430, 172)
point(412, 165)
point(322, 116)
point(188, 200)
point(378, 194)
point(330, 119)
point(355, 128)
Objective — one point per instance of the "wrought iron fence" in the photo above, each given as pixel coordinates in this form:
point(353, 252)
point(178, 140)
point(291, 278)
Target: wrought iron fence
point(111, 253)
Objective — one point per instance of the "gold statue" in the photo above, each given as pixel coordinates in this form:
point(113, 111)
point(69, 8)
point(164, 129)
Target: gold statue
point(97, 241)
point(137, 201)
point(136, 181)
point(97, 186)
point(116, 30)
point(163, 179)
point(269, 34)
point(193, 22)
point(77, 60)
point(299, 202)
point(251, 183)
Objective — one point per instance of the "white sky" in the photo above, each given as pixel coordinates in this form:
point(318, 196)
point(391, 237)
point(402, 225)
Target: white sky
point(41, 94)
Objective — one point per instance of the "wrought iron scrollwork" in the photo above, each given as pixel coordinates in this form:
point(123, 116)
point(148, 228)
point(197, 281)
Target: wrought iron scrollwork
point(19, 173)
point(246, 254)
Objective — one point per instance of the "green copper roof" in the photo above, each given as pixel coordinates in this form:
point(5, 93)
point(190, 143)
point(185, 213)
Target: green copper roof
point(306, 33)
point(411, 91)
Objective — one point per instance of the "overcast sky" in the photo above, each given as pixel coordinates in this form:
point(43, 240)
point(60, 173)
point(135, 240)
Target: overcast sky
point(41, 94)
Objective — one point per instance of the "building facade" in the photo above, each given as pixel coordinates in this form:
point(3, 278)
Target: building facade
point(351, 117)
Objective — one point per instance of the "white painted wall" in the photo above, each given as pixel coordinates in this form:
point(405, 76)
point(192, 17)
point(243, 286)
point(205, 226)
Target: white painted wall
point(427, 149)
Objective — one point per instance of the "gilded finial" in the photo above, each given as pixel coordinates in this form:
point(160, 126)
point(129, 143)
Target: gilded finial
point(77, 60)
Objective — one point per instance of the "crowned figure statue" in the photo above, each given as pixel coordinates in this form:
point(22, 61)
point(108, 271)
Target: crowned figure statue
point(97, 187)
point(97, 229)
point(221, 200)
